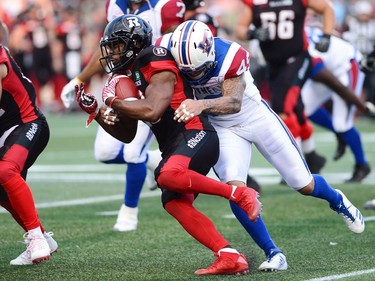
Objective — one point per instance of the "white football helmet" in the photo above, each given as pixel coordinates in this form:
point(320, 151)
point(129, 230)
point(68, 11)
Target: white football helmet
point(193, 48)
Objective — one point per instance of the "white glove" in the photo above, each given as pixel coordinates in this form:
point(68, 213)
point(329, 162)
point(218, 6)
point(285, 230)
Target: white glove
point(68, 94)
point(370, 107)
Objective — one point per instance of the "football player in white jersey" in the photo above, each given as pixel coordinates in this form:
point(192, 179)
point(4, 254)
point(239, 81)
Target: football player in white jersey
point(163, 16)
point(345, 67)
point(218, 71)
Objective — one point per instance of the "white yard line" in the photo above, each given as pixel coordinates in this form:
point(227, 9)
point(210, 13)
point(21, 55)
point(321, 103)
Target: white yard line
point(86, 201)
point(344, 275)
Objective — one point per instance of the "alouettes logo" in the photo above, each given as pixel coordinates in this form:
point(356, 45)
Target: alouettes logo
point(206, 44)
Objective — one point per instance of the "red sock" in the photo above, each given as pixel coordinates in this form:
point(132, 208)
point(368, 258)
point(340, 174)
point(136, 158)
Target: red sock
point(22, 201)
point(196, 224)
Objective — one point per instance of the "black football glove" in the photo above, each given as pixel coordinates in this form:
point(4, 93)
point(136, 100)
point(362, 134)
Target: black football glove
point(262, 34)
point(323, 44)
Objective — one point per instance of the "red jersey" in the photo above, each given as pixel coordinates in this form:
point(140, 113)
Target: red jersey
point(285, 20)
point(17, 104)
point(158, 59)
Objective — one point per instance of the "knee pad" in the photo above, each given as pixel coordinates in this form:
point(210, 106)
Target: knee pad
point(292, 123)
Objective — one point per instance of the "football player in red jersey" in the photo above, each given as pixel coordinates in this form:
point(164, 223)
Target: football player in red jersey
point(163, 16)
point(189, 150)
point(24, 134)
point(279, 29)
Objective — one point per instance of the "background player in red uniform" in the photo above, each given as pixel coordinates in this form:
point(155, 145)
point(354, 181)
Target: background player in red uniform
point(189, 150)
point(24, 134)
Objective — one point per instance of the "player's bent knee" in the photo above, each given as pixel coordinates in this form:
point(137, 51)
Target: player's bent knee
point(175, 179)
point(8, 171)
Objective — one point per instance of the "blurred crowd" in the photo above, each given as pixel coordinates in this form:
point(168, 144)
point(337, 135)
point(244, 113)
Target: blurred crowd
point(52, 40)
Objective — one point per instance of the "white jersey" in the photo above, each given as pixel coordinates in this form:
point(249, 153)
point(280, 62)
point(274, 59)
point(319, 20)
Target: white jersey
point(339, 55)
point(256, 123)
point(342, 59)
point(232, 61)
point(160, 14)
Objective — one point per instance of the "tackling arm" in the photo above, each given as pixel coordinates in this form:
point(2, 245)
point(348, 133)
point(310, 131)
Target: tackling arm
point(230, 102)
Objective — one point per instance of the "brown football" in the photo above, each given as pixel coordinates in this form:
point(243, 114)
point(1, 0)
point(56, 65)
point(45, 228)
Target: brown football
point(126, 89)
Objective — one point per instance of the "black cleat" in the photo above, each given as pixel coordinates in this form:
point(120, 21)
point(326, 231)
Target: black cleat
point(341, 147)
point(251, 182)
point(360, 172)
point(315, 162)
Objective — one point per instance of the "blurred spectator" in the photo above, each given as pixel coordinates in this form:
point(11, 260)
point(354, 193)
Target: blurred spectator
point(361, 33)
point(30, 45)
point(66, 49)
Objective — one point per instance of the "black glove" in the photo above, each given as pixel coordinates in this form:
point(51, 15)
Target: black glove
point(368, 62)
point(262, 34)
point(323, 44)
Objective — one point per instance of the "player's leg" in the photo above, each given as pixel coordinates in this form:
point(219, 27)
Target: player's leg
point(19, 151)
point(201, 228)
point(283, 153)
point(183, 172)
point(343, 116)
point(231, 168)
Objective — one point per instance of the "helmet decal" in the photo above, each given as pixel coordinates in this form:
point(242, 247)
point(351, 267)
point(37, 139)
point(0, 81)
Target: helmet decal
point(206, 44)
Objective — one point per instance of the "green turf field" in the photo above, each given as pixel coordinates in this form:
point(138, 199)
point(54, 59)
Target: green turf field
point(73, 193)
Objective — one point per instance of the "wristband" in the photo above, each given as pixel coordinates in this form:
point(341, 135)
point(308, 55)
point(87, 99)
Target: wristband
point(112, 100)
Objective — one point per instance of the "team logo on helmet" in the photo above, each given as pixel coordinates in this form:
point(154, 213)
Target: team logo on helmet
point(158, 51)
point(206, 44)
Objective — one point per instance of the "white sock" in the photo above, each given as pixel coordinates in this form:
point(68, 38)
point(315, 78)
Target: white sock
point(36, 232)
point(228, 250)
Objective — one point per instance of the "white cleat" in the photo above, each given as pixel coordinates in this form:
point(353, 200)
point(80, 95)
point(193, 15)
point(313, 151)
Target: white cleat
point(38, 249)
point(274, 262)
point(350, 214)
point(370, 204)
point(53, 246)
point(127, 219)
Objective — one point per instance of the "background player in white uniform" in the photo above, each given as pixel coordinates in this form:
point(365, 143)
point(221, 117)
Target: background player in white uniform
point(218, 71)
point(345, 67)
point(163, 16)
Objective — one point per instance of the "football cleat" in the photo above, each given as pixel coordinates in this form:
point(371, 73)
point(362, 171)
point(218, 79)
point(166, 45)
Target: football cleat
point(53, 246)
point(127, 219)
point(38, 249)
point(360, 172)
point(315, 162)
point(247, 199)
point(226, 264)
point(350, 214)
point(275, 262)
point(369, 204)
point(252, 183)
